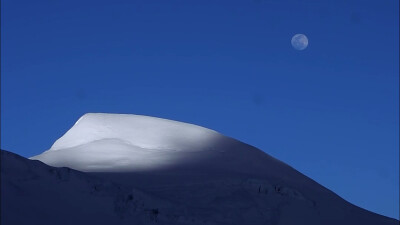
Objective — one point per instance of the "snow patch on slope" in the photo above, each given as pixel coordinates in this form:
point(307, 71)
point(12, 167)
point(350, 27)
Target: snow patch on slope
point(139, 131)
point(124, 142)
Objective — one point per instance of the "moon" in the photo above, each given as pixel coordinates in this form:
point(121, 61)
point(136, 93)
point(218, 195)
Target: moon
point(299, 42)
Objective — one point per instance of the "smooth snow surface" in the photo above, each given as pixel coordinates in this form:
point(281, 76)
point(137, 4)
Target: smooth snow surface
point(123, 142)
point(101, 142)
point(138, 131)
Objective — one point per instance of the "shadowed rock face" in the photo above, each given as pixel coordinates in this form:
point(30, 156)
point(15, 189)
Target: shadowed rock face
point(209, 176)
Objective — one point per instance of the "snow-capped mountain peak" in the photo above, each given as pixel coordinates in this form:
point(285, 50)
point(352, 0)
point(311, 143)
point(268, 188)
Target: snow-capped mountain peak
point(214, 179)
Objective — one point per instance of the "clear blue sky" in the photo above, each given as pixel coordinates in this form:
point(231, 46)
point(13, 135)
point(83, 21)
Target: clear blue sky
point(331, 111)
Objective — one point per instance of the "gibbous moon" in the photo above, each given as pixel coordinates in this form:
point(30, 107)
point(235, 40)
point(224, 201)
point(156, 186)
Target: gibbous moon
point(299, 42)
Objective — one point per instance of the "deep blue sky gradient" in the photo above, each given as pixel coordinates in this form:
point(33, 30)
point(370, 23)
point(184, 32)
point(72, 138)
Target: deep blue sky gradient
point(331, 111)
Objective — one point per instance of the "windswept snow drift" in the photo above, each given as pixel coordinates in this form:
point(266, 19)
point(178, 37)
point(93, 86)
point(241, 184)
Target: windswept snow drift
point(208, 177)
